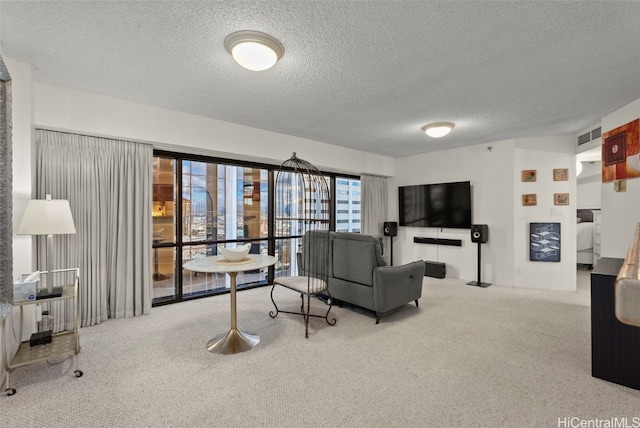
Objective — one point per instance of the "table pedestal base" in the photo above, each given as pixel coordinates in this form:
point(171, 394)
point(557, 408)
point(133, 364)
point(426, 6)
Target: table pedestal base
point(233, 342)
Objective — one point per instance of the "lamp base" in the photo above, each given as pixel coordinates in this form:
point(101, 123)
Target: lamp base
point(45, 294)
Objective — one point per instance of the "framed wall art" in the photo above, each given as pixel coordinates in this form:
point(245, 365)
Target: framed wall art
point(529, 175)
point(621, 152)
point(529, 200)
point(561, 174)
point(620, 186)
point(544, 242)
point(561, 199)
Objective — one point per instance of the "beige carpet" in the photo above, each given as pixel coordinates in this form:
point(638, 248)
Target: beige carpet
point(468, 357)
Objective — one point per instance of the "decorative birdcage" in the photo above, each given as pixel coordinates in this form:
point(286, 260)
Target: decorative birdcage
point(302, 214)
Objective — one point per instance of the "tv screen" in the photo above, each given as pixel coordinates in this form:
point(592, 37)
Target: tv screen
point(435, 205)
point(414, 205)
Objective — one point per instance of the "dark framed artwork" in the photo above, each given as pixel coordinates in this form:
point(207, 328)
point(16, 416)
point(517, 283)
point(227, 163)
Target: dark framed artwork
point(614, 148)
point(621, 152)
point(544, 242)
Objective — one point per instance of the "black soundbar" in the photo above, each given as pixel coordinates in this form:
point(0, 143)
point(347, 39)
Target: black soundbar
point(438, 241)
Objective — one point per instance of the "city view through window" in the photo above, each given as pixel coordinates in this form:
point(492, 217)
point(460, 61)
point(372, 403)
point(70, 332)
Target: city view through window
point(347, 203)
point(221, 204)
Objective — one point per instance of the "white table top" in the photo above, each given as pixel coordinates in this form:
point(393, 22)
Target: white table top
point(208, 264)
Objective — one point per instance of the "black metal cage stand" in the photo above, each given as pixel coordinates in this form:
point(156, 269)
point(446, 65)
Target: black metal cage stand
point(302, 209)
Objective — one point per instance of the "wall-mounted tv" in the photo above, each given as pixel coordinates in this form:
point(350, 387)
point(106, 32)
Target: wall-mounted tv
point(435, 205)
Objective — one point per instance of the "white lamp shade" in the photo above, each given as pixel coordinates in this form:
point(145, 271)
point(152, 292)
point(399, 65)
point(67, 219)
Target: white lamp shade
point(47, 217)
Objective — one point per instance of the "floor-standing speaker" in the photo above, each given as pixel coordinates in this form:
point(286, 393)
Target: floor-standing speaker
point(390, 229)
point(480, 235)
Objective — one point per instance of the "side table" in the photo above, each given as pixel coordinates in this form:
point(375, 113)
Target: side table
point(234, 341)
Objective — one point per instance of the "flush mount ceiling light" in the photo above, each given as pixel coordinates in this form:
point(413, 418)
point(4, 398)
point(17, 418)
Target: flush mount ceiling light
point(253, 50)
point(438, 129)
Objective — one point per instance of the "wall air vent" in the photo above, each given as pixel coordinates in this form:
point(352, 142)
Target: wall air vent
point(588, 139)
point(584, 138)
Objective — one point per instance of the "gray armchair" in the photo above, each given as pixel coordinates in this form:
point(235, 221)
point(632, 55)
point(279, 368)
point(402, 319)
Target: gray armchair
point(359, 275)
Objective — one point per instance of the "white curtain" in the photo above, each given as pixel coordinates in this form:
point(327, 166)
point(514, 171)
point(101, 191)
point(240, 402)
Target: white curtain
point(108, 184)
point(374, 204)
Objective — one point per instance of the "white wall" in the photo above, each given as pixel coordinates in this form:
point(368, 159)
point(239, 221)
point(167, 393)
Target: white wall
point(495, 174)
point(84, 112)
point(589, 189)
point(544, 155)
point(22, 118)
point(489, 167)
point(620, 210)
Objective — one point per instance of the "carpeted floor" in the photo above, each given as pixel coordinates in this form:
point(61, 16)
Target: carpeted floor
point(468, 357)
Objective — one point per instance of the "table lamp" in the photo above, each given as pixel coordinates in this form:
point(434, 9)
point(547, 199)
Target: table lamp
point(47, 217)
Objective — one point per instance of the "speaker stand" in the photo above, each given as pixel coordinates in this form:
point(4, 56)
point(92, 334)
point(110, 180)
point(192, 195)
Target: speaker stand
point(479, 283)
point(390, 250)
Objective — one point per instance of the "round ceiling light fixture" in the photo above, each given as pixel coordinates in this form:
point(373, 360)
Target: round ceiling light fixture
point(438, 129)
point(254, 50)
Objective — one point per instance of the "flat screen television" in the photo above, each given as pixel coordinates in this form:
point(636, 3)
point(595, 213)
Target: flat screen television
point(435, 205)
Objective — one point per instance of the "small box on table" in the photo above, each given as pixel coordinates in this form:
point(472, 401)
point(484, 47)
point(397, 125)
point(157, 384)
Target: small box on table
point(26, 289)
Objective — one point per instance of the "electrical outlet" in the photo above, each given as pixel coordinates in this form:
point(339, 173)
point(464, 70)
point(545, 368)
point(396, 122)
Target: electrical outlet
point(518, 270)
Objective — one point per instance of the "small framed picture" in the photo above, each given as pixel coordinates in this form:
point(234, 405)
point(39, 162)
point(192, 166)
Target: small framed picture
point(529, 175)
point(620, 186)
point(529, 200)
point(561, 174)
point(561, 199)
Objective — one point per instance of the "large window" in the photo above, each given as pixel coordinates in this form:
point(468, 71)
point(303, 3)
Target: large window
point(201, 204)
point(347, 204)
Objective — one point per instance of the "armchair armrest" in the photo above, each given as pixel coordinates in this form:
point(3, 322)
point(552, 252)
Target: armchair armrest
point(394, 286)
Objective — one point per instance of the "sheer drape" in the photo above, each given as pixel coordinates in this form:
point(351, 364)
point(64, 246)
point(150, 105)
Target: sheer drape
point(374, 204)
point(108, 184)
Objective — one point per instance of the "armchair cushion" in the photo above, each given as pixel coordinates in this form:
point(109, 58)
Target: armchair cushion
point(303, 284)
point(355, 256)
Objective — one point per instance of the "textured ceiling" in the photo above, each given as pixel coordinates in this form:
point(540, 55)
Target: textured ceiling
point(359, 74)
